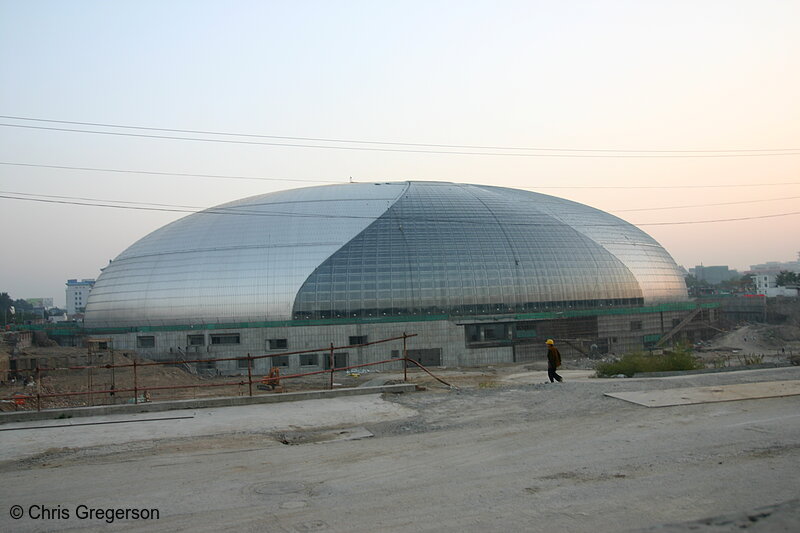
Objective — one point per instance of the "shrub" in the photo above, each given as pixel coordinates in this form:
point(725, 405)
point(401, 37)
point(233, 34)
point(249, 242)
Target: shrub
point(751, 359)
point(637, 362)
point(721, 361)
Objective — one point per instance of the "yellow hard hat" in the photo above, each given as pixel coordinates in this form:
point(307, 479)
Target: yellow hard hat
point(549, 341)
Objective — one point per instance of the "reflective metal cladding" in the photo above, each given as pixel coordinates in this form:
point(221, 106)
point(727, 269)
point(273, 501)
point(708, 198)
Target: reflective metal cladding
point(388, 249)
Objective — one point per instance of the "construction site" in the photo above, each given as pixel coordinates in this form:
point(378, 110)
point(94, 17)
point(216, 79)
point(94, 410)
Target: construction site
point(54, 377)
point(509, 450)
point(36, 373)
point(389, 373)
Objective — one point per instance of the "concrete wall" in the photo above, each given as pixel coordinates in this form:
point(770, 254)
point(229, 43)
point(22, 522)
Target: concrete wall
point(624, 333)
point(443, 334)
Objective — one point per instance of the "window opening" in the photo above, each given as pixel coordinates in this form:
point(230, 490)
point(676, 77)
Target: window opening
point(225, 338)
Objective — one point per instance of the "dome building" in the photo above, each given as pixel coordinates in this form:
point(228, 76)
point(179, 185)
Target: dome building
point(481, 274)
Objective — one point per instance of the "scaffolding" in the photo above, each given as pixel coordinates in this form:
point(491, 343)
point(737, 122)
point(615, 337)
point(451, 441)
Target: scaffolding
point(140, 390)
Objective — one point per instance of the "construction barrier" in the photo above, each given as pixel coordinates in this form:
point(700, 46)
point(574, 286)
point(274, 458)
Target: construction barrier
point(141, 390)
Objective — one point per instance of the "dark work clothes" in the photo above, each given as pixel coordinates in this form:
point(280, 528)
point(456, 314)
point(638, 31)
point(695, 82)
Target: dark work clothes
point(553, 362)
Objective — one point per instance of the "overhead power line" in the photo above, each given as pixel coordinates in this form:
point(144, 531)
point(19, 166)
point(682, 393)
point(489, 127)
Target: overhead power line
point(195, 208)
point(312, 180)
point(390, 143)
point(244, 212)
point(621, 154)
point(721, 186)
point(158, 173)
point(705, 205)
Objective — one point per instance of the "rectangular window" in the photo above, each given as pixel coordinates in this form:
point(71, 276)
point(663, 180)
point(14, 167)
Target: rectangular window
point(195, 340)
point(473, 333)
point(225, 338)
point(339, 360)
point(241, 363)
point(526, 330)
point(427, 357)
point(489, 334)
point(146, 342)
point(280, 361)
point(309, 359)
point(495, 332)
point(395, 354)
point(636, 325)
point(358, 339)
point(278, 344)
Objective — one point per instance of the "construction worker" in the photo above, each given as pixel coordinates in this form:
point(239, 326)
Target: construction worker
point(553, 361)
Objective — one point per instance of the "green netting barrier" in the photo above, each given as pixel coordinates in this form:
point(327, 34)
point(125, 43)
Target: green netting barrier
point(77, 329)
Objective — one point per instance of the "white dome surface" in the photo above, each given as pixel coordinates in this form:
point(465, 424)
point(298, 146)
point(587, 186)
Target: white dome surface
point(370, 250)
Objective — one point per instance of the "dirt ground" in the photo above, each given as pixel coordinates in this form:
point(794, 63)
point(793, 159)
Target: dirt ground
point(753, 342)
point(504, 452)
point(152, 382)
point(496, 449)
point(745, 345)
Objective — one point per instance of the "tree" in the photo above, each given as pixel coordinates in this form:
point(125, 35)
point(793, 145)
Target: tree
point(5, 304)
point(785, 278)
point(692, 281)
point(22, 305)
point(23, 310)
point(742, 284)
point(747, 283)
point(5, 301)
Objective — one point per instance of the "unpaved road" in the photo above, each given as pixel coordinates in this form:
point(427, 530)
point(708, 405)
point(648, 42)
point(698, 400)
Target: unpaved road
point(510, 454)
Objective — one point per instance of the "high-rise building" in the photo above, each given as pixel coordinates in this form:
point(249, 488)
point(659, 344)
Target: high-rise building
point(78, 295)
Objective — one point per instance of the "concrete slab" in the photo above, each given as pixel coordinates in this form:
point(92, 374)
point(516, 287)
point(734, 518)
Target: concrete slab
point(540, 376)
point(526, 458)
point(200, 403)
point(719, 393)
point(21, 439)
point(325, 436)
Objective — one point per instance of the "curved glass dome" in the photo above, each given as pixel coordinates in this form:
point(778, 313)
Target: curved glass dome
point(382, 249)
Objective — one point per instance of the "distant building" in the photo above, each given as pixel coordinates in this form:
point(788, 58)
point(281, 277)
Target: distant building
point(53, 319)
point(78, 295)
point(45, 303)
point(766, 284)
point(775, 267)
point(713, 274)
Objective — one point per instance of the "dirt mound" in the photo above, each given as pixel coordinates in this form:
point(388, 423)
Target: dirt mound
point(787, 333)
point(756, 338)
point(783, 311)
point(40, 338)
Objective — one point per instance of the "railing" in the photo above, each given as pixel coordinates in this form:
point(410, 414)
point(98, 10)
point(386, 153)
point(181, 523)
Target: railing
point(141, 390)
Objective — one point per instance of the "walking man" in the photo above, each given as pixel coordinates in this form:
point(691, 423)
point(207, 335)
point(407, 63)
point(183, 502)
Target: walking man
point(553, 362)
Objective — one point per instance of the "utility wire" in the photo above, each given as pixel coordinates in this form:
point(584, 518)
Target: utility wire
point(156, 173)
point(389, 143)
point(83, 198)
point(397, 150)
point(222, 176)
point(233, 211)
point(671, 186)
point(200, 208)
point(704, 205)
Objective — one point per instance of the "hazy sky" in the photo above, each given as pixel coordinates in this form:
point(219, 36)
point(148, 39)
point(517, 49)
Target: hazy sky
point(713, 77)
